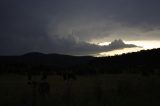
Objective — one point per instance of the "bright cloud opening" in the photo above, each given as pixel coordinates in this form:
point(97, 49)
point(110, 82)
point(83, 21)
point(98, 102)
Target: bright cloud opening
point(144, 44)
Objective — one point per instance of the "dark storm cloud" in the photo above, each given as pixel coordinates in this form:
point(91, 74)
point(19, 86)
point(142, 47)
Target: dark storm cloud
point(102, 18)
point(65, 25)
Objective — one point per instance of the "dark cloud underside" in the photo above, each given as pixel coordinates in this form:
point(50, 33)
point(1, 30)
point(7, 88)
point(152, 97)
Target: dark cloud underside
point(54, 25)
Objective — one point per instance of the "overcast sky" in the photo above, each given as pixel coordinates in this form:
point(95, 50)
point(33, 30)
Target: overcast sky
point(62, 26)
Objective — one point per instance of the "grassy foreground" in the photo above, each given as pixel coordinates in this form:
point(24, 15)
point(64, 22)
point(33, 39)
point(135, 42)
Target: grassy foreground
point(95, 90)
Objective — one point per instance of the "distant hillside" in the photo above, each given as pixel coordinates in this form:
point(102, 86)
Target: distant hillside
point(146, 60)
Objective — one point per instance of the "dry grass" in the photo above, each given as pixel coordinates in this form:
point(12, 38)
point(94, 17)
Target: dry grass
point(95, 90)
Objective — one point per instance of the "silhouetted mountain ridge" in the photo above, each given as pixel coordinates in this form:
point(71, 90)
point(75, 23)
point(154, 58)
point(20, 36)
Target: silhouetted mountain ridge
point(36, 62)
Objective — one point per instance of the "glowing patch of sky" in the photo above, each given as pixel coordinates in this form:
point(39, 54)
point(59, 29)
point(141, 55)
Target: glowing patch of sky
point(144, 44)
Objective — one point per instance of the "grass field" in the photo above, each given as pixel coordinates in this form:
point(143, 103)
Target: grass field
point(93, 90)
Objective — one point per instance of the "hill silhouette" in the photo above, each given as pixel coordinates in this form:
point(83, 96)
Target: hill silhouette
point(146, 61)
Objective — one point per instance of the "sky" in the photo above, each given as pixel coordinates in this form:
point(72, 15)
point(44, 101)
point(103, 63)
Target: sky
point(76, 27)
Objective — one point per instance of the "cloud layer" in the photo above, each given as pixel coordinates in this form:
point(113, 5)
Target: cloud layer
point(67, 25)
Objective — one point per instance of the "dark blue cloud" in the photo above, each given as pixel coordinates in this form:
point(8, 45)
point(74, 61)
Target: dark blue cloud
point(46, 25)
